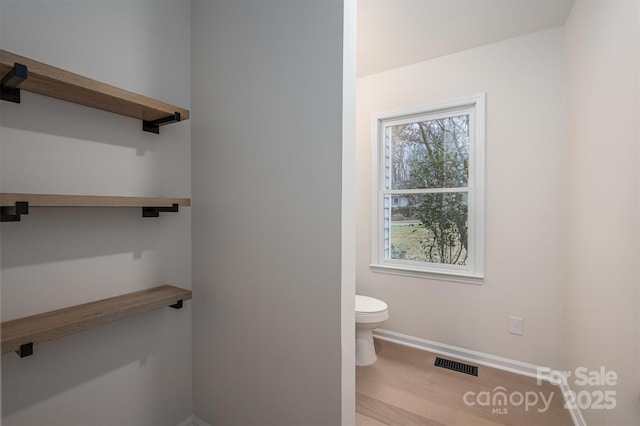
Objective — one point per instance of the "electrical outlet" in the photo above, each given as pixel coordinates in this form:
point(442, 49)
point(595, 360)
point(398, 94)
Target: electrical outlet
point(515, 325)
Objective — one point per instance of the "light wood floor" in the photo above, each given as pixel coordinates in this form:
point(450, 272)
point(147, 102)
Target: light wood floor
point(404, 388)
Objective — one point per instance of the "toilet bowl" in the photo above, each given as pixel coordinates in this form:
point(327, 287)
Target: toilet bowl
point(370, 314)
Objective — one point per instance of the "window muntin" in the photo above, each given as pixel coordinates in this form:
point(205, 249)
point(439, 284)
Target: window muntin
point(428, 189)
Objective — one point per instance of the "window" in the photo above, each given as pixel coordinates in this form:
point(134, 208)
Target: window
point(428, 191)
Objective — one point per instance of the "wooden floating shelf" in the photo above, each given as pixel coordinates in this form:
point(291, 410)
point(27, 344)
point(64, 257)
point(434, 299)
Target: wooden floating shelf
point(61, 84)
point(19, 335)
point(57, 200)
point(12, 206)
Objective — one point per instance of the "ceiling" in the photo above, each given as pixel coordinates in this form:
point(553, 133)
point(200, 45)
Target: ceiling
point(395, 33)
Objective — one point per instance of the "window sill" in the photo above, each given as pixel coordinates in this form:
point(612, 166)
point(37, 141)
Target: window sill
point(433, 275)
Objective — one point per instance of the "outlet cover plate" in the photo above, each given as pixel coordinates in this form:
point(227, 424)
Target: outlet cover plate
point(516, 325)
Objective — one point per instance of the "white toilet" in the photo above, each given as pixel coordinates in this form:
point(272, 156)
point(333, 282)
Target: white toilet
point(370, 313)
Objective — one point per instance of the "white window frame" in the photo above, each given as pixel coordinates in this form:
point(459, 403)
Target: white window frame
point(473, 272)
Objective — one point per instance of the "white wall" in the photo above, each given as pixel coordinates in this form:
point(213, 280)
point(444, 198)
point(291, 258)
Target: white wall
point(136, 371)
point(266, 157)
point(522, 78)
point(602, 45)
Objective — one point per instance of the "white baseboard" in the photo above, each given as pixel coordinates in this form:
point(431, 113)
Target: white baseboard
point(488, 360)
point(199, 422)
point(187, 422)
point(476, 357)
point(576, 414)
point(193, 421)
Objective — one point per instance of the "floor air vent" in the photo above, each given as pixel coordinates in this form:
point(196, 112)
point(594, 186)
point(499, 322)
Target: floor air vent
point(457, 366)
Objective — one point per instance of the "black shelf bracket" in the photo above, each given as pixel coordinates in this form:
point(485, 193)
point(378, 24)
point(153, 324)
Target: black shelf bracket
point(9, 90)
point(25, 350)
point(154, 126)
point(177, 305)
point(155, 211)
point(12, 213)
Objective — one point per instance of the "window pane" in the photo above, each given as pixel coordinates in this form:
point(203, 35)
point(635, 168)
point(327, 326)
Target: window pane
point(428, 154)
point(427, 228)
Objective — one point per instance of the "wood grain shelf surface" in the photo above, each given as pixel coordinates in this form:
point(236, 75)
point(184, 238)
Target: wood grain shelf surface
point(63, 322)
point(57, 200)
point(61, 84)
